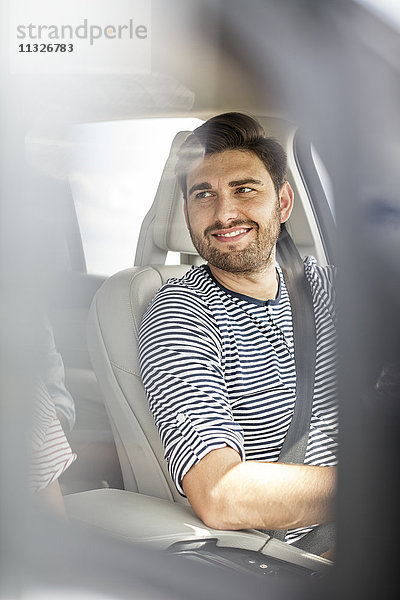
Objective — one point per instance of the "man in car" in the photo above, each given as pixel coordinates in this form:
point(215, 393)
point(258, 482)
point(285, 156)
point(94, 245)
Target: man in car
point(216, 346)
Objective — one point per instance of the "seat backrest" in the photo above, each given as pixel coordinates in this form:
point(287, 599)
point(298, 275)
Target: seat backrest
point(113, 328)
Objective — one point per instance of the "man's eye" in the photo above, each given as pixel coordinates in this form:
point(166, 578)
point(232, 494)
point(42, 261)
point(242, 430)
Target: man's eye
point(201, 195)
point(244, 190)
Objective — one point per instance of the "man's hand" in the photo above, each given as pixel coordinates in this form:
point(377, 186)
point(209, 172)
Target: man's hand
point(227, 493)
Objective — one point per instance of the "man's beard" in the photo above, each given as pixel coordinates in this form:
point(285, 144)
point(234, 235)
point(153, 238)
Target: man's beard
point(254, 258)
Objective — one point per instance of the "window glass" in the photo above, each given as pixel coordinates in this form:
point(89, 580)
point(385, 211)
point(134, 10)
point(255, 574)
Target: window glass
point(114, 173)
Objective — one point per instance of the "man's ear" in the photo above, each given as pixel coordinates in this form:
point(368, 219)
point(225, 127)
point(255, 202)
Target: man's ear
point(286, 200)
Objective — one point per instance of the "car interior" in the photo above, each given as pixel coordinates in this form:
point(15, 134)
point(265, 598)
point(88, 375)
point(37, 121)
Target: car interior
point(322, 78)
point(112, 334)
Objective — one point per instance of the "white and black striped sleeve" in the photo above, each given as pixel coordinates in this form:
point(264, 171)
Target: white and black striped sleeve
point(183, 374)
point(51, 453)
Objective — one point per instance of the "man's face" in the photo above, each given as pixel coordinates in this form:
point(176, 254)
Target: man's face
point(233, 212)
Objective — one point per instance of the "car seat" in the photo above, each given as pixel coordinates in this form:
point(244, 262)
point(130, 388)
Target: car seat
point(113, 328)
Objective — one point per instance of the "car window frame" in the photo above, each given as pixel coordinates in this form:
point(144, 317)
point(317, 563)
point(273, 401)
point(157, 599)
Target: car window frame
point(315, 193)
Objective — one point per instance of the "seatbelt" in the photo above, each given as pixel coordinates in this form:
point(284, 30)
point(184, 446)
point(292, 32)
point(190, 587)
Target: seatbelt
point(304, 333)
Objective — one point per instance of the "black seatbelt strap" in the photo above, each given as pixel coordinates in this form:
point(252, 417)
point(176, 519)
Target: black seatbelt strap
point(322, 537)
point(304, 333)
point(298, 287)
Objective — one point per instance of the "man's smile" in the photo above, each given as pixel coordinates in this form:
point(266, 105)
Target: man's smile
point(231, 234)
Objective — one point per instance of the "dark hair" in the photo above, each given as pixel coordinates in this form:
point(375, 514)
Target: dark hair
point(232, 131)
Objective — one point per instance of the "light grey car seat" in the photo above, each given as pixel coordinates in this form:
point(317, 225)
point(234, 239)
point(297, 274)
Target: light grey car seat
point(113, 327)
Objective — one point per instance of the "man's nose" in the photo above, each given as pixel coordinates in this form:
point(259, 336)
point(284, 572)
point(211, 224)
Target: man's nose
point(225, 207)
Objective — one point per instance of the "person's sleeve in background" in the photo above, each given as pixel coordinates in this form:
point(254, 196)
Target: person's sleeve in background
point(50, 453)
point(53, 375)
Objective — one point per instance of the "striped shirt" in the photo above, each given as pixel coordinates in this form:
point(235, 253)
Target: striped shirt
point(51, 453)
point(218, 368)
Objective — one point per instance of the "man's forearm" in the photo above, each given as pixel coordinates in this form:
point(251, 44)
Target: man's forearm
point(275, 496)
point(229, 494)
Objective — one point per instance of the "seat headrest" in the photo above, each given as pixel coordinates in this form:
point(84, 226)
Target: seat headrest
point(169, 230)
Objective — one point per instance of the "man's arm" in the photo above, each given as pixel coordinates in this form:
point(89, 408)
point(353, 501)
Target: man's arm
point(227, 493)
